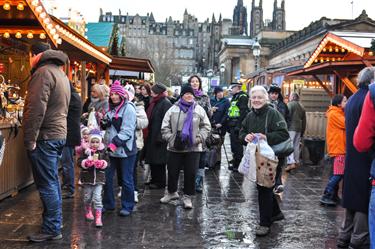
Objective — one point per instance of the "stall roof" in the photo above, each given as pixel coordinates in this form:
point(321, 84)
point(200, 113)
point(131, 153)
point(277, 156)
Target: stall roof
point(99, 33)
point(76, 43)
point(131, 64)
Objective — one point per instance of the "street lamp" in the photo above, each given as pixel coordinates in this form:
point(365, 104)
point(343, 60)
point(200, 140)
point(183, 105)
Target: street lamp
point(210, 73)
point(256, 52)
point(222, 70)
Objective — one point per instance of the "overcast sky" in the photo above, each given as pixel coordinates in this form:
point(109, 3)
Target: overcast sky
point(299, 13)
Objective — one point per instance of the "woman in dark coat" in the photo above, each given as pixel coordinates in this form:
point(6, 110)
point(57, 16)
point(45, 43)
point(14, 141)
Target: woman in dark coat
point(156, 147)
point(356, 186)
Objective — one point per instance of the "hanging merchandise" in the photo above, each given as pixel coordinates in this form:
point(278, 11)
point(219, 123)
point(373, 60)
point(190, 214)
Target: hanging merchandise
point(2, 148)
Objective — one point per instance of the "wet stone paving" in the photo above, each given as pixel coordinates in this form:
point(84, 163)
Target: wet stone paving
point(224, 216)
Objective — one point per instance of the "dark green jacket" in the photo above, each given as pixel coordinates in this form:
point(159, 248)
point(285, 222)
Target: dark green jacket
point(255, 122)
point(297, 116)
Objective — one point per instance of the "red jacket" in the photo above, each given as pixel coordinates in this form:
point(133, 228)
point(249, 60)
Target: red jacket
point(365, 132)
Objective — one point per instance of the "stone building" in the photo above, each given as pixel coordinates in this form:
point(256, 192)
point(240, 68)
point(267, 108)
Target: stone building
point(240, 18)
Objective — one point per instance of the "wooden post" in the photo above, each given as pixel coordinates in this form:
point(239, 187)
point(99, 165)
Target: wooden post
point(106, 75)
point(353, 88)
point(322, 85)
point(83, 82)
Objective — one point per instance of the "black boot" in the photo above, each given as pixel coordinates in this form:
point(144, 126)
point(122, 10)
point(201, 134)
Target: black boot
point(328, 199)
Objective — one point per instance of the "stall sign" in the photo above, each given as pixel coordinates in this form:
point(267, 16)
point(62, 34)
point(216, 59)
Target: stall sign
point(2, 68)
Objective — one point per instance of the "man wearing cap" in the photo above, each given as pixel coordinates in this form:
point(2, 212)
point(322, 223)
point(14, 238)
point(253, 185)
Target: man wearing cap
point(45, 130)
point(156, 147)
point(219, 106)
point(236, 113)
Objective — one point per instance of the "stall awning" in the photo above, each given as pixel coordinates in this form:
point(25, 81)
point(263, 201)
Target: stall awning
point(131, 64)
point(75, 44)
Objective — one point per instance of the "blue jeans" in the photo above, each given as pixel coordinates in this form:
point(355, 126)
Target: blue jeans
point(371, 218)
point(44, 162)
point(67, 161)
point(125, 167)
point(333, 182)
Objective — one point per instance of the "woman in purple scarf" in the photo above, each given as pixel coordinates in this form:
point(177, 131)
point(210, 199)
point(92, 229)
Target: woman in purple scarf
point(185, 127)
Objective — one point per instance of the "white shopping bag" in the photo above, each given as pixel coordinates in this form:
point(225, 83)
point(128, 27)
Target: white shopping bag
point(266, 150)
point(91, 121)
point(247, 166)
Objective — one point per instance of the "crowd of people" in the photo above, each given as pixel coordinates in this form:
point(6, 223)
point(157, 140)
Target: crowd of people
point(144, 125)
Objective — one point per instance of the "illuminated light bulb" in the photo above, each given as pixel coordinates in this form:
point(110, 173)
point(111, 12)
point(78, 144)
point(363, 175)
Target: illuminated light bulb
point(343, 50)
point(42, 36)
point(18, 35)
point(324, 49)
point(370, 53)
point(53, 31)
point(49, 26)
point(30, 35)
point(43, 15)
point(6, 6)
point(55, 36)
point(35, 3)
point(330, 49)
point(333, 59)
point(46, 21)
point(20, 6)
point(336, 49)
point(321, 60)
point(6, 35)
point(316, 60)
point(39, 9)
point(57, 26)
point(59, 41)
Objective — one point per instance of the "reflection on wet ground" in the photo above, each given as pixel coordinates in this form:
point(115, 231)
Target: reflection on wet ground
point(224, 216)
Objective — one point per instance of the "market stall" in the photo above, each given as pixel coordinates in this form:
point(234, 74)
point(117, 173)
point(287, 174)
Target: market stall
point(132, 69)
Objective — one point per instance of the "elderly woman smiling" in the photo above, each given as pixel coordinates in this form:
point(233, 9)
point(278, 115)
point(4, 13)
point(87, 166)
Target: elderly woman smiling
point(255, 125)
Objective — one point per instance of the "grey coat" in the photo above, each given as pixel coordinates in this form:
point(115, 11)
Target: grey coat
point(201, 127)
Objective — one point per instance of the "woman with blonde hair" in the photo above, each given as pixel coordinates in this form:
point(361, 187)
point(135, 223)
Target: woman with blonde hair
point(97, 101)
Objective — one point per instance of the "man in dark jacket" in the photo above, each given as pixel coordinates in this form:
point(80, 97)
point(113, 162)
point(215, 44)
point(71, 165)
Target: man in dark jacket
point(156, 147)
point(45, 129)
point(239, 107)
point(73, 139)
point(356, 186)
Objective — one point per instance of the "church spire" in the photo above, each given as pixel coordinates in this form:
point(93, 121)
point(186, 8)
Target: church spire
point(283, 4)
point(275, 5)
point(213, 18)
point(240, 3)
point(253, 3)
point(260, 3)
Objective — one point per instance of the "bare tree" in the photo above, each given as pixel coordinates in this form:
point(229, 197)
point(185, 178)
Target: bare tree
point(159, 52)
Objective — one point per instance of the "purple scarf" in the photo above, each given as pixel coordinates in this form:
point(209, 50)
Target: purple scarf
point(187, 129)
point(198, 93)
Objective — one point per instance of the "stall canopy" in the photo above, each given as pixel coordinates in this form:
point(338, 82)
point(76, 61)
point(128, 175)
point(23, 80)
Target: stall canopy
point(120, 65)
point(27, 20)
point(340, 54)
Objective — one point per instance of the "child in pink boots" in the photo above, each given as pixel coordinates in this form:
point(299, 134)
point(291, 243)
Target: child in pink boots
point(93, 163)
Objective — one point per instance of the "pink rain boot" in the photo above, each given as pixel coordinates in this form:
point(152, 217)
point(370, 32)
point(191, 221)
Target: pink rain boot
point(88, 215)
point(98, 217)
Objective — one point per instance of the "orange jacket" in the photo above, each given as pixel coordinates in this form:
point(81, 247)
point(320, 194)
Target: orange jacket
point(335, 133)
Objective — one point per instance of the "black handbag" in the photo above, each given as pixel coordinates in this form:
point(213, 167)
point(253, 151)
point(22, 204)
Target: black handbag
point(284, 148)
point(213, 139)
point(179, 144)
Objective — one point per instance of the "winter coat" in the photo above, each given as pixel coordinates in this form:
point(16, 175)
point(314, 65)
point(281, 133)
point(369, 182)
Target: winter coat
point(282, 108)
point(205, 102)
point(93, 175)
point(201, 127)
point(297, 117)
point(255, 122)
point(80, 149)
point(335, 133)
point(221, 114)
point(73, 137)
point(356, 186)
point(142, 123)
point(242, 100)
point(156, 147)
point(47, 101)
point(122, 130)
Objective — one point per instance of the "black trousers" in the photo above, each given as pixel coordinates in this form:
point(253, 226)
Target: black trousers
point(235, 146)
point(158, 174)
point(279, 171)
point(188, 162)
point(268, 206)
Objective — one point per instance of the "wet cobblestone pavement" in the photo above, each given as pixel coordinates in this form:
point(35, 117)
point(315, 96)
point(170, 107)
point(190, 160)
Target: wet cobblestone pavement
point(224, 216)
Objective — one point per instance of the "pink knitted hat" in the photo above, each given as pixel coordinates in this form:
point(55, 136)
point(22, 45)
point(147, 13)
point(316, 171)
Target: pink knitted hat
point(116, 87)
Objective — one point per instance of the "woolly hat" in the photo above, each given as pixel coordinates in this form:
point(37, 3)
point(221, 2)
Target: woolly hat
point(116, 87)
point(95, 133)
point(129, 90)
point(158, 88)
point(83, 129)
point(218, 89)
point(39, 47)
point(274, 89)
point(186, 89)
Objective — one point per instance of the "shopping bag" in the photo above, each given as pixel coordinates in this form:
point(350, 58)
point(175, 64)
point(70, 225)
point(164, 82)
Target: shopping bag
point(92, 123)
point(247, 166)
point(266, 150)
point(265, 169)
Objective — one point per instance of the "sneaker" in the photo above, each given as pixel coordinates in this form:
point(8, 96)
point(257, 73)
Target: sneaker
point(262, 231)
point(136, 196)
point(187, 202)
point(67, 194)
point(40, 237)
point(168, 197)
point(279, 189)
point(278, 217)
point(119, 192)
point(124, 213)
point(327, 200)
